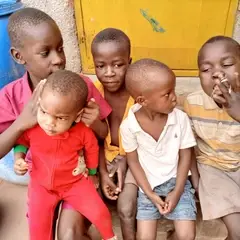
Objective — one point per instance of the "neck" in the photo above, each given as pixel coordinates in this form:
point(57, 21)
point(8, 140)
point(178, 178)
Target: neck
point(33, 81)
point(120, 92)
point(152, 115)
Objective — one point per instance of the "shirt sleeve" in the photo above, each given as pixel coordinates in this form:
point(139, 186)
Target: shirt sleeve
point(7, 115)
point(129, 140)
point(187, 136)
point(91, 149)
point(23, 140)
point(105, 109)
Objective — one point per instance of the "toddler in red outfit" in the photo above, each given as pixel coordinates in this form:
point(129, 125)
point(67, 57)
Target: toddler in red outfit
point(55, 144)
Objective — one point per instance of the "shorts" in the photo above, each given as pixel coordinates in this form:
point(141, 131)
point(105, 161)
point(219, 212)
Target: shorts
point(185, 209)
point(219, 192)
point(129, 179)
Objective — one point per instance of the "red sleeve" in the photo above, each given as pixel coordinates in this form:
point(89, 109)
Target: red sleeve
point(91, 148)
point(24, 140)
point(7, 115)
point(105, 109)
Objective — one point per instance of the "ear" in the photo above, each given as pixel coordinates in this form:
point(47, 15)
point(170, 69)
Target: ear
point(130, 60)
point(79, 116)
point(141, 100)
point(17, 55)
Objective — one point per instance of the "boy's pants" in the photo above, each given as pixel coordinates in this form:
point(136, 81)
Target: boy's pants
point(82, 196)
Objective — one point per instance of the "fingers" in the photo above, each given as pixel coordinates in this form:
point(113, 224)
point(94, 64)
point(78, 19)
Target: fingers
point(20, 167)
point(120, 179)
point(109, 193)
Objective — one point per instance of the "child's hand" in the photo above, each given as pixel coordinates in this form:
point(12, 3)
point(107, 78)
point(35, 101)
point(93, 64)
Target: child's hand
point(108, 187)
point(158, 202)
point(171, 201)
point(91, 113)
point(20, 166)
point(229, 99)
point(120, 169)
point(95, 180)
point(27, 118)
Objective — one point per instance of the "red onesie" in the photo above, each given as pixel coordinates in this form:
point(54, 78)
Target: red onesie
point(53, 160)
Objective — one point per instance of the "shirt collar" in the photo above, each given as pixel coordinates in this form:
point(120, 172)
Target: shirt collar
point(209, 103)
point(134, 125)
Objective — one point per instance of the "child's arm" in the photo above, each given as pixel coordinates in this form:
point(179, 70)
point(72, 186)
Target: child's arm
point(91, 118)
point(130, 146)
point(194, 171)
point(91, 151)
point(26, 120)
point(142, 181)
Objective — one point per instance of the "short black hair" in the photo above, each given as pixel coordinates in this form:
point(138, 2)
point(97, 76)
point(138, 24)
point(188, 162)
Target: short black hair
point(137, 80)
point(23, 18)
point(112, 35)
point(221, 38)
point(65, 83)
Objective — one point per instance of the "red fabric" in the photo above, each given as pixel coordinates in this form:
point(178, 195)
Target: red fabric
point(55, 157)
point(82, 196)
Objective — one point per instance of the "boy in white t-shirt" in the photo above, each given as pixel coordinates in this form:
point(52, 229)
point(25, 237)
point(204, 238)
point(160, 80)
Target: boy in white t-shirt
point(158, 138)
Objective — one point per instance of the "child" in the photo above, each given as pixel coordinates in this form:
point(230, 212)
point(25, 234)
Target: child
point(158, 138)
point(218, 135)
point(112, 56)
point(37, 43)
point(55, 145)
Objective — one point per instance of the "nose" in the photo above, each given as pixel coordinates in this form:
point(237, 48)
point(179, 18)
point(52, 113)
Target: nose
point(109, 72)
point(174, 97)
point(50, 121)
point(58, 59)
point(218, 75)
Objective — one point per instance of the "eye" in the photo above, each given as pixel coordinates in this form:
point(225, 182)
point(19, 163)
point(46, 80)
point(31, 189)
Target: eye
point(61, 49)
point(61, 118)
point(99, 66)
point(167, 95)
point(205, 69)
point(228, 64)
point(44, 54)
point(42, 111)
point(118, 65)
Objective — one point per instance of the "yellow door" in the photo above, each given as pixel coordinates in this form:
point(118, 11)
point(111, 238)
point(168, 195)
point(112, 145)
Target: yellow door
point(171, 31)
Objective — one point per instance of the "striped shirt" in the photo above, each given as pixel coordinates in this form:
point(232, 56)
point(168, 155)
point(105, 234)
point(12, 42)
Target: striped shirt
point(217, 134)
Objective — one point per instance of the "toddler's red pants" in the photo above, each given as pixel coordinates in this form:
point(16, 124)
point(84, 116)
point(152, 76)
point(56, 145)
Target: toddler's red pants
point(82, 195)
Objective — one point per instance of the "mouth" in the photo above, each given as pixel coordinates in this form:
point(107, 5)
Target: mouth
point(49, 132)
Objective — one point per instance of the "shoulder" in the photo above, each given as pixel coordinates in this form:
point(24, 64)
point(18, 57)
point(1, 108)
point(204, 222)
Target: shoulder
point(181, 116)
point(195, 98)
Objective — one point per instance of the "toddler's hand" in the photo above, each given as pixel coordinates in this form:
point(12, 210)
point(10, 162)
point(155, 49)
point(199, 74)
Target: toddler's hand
point(90, 113)
point(95, 180)
point(171, 201)
point(20, 166)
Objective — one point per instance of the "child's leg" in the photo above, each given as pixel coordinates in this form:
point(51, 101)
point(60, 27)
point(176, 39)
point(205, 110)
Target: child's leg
point(126, 206)
point(42, 204)
point(184, 214)
point(232, 223)
point(184, 230)
point(147, 230)
point(85, 199)
point(71, 224)
point(147, 217)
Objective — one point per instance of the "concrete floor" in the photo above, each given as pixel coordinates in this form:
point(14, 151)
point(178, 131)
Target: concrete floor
point(13, 224)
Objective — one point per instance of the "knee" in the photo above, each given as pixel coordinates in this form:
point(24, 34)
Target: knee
point(70, 234)
point(186, 235)
point(148, 236)
point(126, 208)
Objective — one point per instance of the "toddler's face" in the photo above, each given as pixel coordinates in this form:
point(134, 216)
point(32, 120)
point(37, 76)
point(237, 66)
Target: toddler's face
point(215, 60)
point(56, 112)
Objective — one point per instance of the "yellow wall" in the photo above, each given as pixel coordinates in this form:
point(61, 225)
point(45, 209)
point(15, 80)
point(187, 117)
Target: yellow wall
point(171, 31)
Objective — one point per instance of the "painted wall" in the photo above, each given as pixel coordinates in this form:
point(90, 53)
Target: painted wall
point(63, 13)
